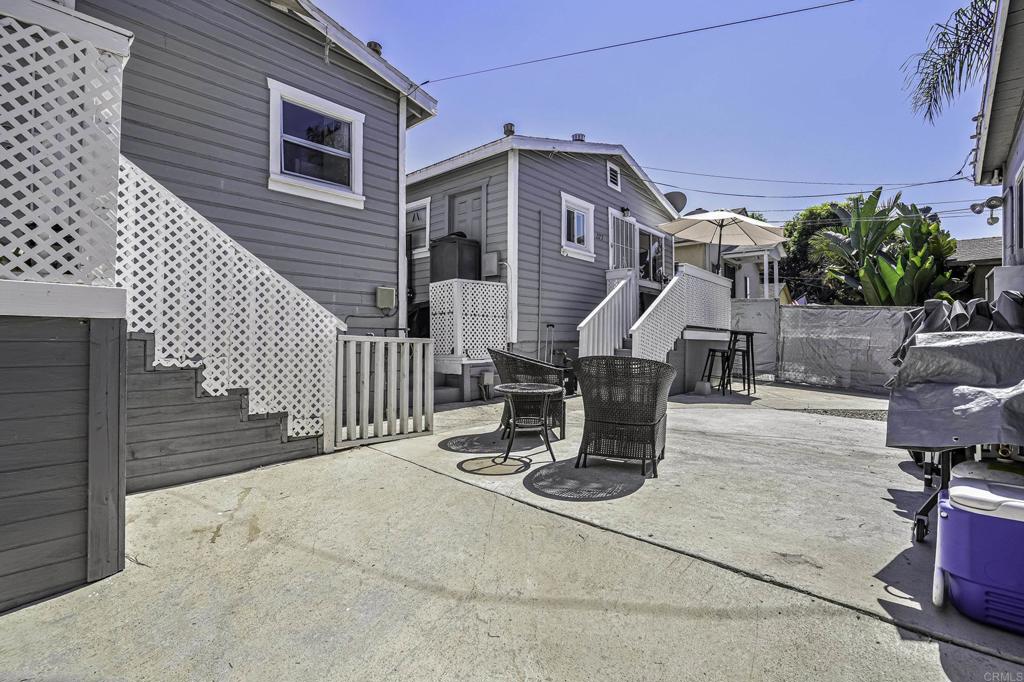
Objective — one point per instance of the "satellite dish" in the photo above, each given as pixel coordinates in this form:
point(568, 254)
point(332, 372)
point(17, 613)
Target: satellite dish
point(678, 200)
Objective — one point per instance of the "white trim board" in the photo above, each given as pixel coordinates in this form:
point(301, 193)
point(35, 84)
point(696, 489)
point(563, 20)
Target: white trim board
point(403, 261)
point(1002, 9)
point(512, 232)
point(46, 299)
point(542, 144)
point(571, 249)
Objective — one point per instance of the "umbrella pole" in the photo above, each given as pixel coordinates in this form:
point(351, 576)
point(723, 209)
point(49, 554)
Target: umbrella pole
point(718, 264)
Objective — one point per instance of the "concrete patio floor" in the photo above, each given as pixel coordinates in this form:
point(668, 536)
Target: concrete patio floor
point(774, 546)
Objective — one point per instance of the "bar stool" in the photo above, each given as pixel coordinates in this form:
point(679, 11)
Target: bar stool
point(722, 355)
point(747, 354)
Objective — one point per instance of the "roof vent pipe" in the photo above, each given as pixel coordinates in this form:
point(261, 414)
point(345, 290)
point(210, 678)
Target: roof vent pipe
point(579, 137)
point(509, 129)
point(375, 47)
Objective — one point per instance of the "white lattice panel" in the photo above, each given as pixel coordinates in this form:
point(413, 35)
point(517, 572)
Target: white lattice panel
point(694, 298)
point(60, 102)
point(209, 301)
point(468, 316)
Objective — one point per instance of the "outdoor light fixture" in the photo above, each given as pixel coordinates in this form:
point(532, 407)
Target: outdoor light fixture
point(992, 203)
point(625, 211)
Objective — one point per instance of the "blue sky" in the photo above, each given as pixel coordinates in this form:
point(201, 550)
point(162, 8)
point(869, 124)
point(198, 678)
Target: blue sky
point(817, 96)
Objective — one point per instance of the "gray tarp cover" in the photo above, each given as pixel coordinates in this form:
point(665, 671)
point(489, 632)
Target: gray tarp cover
point(958, 389)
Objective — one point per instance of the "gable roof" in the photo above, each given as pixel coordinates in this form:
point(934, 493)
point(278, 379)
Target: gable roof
point(978, 250)
point(1003, 102)
point(540, 144)
point(422, 105)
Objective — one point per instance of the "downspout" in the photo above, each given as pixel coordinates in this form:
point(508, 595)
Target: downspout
point(540, 273)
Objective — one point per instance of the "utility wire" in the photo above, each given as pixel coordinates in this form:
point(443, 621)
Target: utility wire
point(638, 41)
point(805, 196)
point(919, 203)
point(784, 182)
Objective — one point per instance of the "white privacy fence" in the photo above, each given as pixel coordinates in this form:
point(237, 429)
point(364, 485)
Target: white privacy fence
point(60, 117)
point(468, 316)
point(209, 302)
point(605, 328)
point(694, 298)
point(385, 389)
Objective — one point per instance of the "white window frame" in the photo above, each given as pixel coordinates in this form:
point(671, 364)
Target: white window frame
point(1017, 210)
point(572, 249)
point(424, 250)
point(307, 187)
point(608, 176)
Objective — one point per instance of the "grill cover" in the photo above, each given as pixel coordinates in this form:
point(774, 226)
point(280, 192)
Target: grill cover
point(956, 389)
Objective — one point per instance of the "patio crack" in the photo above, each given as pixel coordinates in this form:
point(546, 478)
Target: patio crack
point(746, 573)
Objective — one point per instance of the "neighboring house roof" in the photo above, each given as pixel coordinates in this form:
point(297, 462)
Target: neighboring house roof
point(736, 253)
point(422, 105)
point(540, 144)
point(1004, 92)
point(979, 250)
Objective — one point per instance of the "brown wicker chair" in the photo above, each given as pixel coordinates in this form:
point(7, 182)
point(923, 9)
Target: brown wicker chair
point(625, 402)
point(515, 369)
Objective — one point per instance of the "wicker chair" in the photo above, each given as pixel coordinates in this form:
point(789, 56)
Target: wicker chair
point(625, 402)
point(514, 369)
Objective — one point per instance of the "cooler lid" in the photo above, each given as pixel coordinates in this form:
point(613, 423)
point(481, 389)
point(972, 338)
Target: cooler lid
point(986, 497)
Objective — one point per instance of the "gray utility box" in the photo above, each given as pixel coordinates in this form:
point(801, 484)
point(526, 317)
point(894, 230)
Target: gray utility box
point(454, 257)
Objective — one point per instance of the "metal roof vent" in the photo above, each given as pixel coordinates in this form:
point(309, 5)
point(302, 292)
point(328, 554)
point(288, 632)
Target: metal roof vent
point(579, 137)
point(509, 129)
point(375, 47)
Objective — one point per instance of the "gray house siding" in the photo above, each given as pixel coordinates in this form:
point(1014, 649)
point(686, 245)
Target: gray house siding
point(492, 172)
point(196, 117)
point(1013, 248)
point(556, 289)
point(61, 455)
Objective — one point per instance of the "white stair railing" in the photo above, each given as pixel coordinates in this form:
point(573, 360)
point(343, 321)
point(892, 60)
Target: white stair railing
point(385, 389)
point(694, 298)
point(604, 329)
point(210, 302)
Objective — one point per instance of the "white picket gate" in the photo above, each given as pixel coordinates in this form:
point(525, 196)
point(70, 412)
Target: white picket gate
point(385, 389)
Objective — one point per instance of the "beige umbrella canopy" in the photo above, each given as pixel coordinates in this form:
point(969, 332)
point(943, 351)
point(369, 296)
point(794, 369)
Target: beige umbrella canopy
point(724, 227)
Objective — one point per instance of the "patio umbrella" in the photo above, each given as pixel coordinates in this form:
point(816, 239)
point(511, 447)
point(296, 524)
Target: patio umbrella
point(725, 227)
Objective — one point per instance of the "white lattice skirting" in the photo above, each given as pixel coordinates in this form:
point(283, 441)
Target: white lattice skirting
point(209, 301)
point(60, 113)
point(468, 316)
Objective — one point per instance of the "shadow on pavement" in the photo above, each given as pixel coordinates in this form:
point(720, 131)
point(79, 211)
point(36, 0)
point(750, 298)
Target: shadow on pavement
point(487, 443)
point(601, 480)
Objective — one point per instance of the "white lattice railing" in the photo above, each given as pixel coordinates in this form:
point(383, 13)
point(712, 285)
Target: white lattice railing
point(694, 298)
point(209, 301)
point(60, 118)
point(605, 328)
point(468, 316)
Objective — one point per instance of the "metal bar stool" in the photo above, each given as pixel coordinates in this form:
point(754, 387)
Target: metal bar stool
point(722, 355)
point(747, 368)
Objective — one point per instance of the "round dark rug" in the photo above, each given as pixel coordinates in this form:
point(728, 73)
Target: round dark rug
point(600, 480)
point(493, 466)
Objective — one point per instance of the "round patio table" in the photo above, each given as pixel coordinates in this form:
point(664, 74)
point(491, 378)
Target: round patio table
point(523, 400)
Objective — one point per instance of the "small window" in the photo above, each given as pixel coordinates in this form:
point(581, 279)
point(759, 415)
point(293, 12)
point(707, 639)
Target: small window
point(614, 177)
point(417, 227)
point(577, 228)
point(316, 147)
point(1018, 207)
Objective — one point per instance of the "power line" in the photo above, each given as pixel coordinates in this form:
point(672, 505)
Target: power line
point(784, 182)
point(804, 196)
point(918, 203)
point(638, 41)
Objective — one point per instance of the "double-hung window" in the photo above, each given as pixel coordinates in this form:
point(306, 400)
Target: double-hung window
point(577, 228)
point(316, 147)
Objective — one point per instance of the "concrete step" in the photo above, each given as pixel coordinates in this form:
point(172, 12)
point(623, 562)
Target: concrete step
point(444, 395)
point(624, 353)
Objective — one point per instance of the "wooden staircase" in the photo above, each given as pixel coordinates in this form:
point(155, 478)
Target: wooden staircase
point(178, 433)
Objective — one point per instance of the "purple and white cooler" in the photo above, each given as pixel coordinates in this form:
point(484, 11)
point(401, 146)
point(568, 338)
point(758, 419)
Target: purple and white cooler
point(979, 553)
